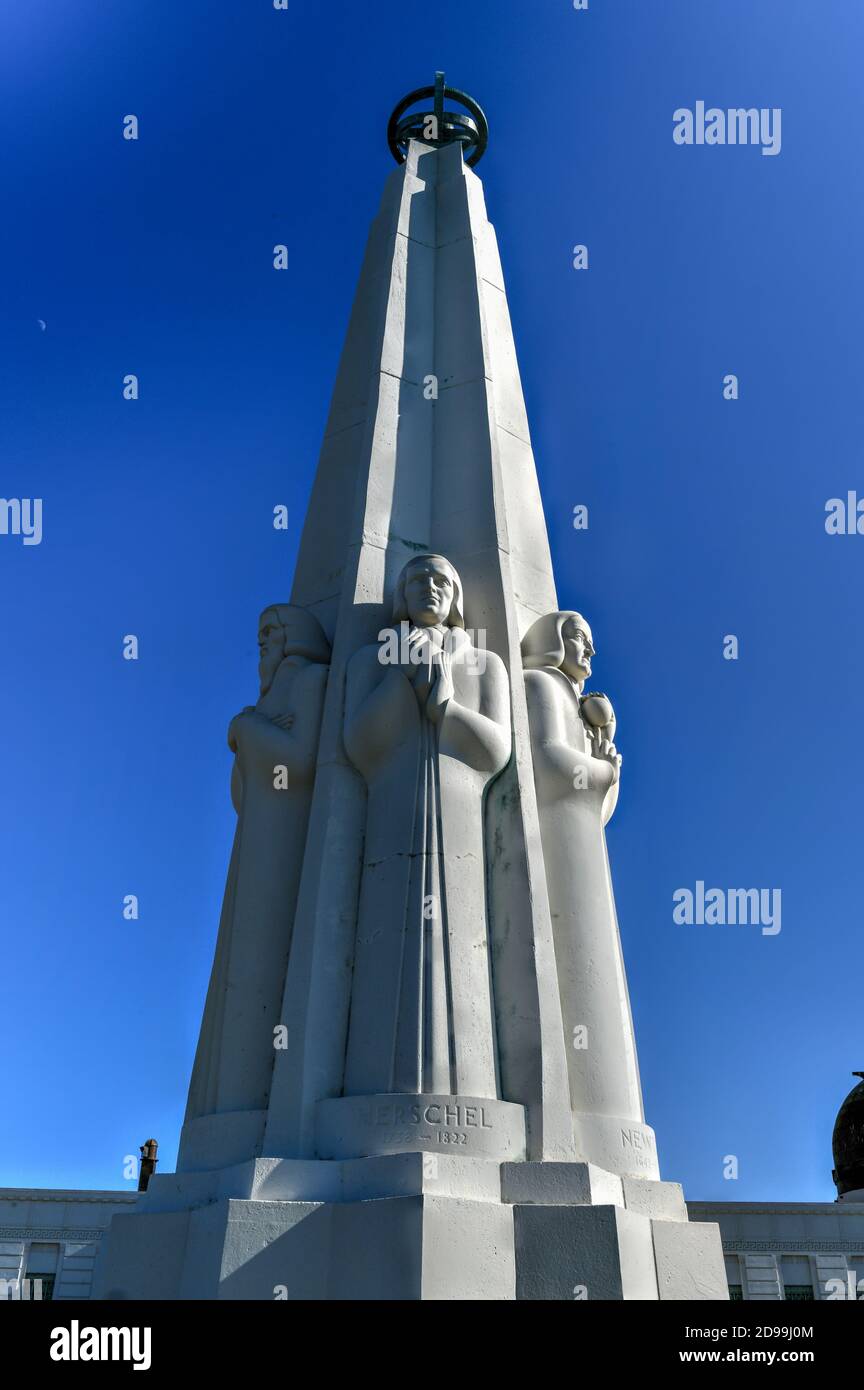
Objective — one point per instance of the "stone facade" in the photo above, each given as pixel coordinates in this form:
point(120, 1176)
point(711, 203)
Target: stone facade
point(50, 1239)
point(789, 1250)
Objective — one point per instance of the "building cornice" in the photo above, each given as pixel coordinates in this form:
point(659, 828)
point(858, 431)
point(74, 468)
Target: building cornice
point(62, 1194)
point(779, 1208)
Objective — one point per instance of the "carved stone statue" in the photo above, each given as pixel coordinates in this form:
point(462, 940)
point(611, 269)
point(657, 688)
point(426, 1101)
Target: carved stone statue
point(275, 744)
point(576, 775)
point(427, 723)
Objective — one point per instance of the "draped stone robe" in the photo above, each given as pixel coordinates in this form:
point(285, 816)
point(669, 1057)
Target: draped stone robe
point(605, 1089)
point(422, 1018)
point(234, 1060)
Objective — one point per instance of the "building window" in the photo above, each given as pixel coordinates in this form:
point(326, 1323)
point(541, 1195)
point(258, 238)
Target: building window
point(733, 1278)
point(42, 1261)
point(797, 1279)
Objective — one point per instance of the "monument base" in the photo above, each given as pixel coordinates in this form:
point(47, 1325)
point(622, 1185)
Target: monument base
point(412, 1226)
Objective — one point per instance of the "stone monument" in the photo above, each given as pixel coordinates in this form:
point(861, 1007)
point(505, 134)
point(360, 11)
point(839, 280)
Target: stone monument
point(417, 1076)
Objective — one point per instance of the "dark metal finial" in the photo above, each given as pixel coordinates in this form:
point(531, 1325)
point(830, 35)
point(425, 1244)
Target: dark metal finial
point(149, 1160)
point(439, 126)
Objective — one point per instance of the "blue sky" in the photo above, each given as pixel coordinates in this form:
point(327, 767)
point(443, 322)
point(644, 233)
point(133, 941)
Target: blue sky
point(154, 257)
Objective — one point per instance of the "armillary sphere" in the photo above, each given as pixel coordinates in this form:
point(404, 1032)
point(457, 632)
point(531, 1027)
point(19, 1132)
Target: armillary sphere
point(439, 126)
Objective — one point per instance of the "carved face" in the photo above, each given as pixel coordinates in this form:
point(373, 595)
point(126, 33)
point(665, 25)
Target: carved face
point(271, 650)
point(429, 592)
point(578, 651)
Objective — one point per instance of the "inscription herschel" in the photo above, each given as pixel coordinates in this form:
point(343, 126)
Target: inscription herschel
point(348, 1126)
point(449, 1117)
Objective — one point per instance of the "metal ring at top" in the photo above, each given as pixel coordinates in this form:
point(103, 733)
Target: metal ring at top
point(452, 127)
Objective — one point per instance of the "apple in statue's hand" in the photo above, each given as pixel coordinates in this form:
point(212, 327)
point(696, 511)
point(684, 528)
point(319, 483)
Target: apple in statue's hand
point(596, 709)
point(599, 716)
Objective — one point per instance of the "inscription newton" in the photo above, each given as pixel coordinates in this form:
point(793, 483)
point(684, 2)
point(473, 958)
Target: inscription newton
point(636, 1139)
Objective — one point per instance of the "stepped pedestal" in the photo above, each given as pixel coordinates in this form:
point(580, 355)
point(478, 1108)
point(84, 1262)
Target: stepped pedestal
point(411, 1226)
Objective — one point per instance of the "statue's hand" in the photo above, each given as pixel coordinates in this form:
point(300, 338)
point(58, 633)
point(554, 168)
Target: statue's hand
point(283, 721)
point(603, 748)
point(418, 652)
point(442, 689)
point(420, 668)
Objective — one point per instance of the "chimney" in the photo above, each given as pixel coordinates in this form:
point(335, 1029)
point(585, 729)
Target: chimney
point(148, 1163)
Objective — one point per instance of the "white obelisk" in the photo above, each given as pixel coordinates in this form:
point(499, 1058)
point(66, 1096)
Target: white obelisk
point(330, 1189)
